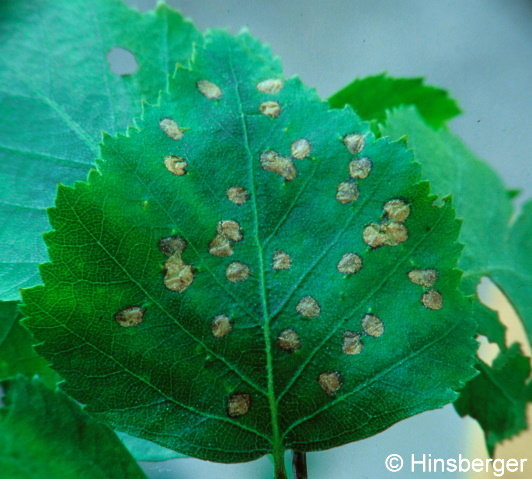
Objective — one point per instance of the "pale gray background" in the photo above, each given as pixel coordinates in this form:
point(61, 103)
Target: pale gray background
point(480, 50)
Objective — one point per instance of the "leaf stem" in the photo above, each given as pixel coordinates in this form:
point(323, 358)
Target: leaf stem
point(299, 465)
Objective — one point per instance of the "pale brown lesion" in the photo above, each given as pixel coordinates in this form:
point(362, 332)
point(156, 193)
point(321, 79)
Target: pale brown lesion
point(276, 163)
point(330, 382)
point(228, 232)
point(387, 233)
point(270, 108)
point(397, 210)
point(354, 142)
point(270, 86)
point(347, 192)
point(237, 195)
point(209, 89)
point(300, 149)
point(281, 260)
point(230, 229)
point(350, 263)
point(237, 272)
point(130, 316)
point(221, 326)
point(238, 404)
point(171, 245)
point(424, 277)
point(178, 275)
point(352, 343)
point(176, 165)
point(361, 168)
point(432, 299)
point(372, 325)
point(289, 341)
point(220, 246)
point(308, 307)
point(171, 129)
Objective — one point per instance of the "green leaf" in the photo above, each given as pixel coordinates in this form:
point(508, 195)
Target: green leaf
point(218, 288)
point(57, 94)
point(495, 247)
point(497, 397)
point(372, 96)
point(17, 355)
point(143, 450)
point(46, 435)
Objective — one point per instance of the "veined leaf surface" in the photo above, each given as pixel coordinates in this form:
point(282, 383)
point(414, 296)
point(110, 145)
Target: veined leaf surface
point(249, 272)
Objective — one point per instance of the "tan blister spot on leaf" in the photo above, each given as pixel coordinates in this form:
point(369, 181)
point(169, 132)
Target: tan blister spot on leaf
point(300, 148)
point(330, 382)
point(220, 246)
point(281, 260)
point(221, 326)
point(270, 86)
point(275, 163)
point(289, 341)
point(388, 233)
point(230, 229)
point(350, 263)
point(354, 143)
point(237, 194)
point(237, 272)
point(432, 300)
point(209, 90)
point(423, 277)
point(351, 343)
point(372, 325)
point(171, 245)
point(397, 210)
point(238, 404)
point(179, 276)
point(360, 168)
point(131, 316)
point(170, 128)
point(175, 165)
point(308, 307)
point(347, 192)
point(270, 108)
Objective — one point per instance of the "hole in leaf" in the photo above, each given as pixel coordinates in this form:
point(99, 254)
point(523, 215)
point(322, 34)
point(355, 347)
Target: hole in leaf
point(121, 61)
point(491, 296)
point(487, 351)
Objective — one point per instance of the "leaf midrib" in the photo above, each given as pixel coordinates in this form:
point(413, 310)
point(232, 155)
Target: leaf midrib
point(277, 441)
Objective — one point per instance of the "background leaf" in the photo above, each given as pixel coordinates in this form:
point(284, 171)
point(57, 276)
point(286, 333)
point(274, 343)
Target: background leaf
point(46, 435)
point(57, 94)
point(263, 330)
point(372, 96)
point(497, 397)
point(17, 355)
point(497, 246)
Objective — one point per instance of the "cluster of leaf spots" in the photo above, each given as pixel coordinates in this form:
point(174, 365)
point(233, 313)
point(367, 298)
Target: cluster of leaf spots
point(72, 158)
point(217, 266)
